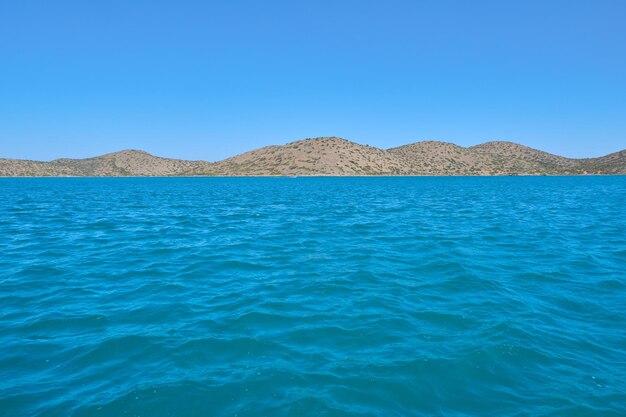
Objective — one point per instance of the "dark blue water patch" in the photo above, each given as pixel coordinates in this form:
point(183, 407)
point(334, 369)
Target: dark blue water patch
point(313, 296)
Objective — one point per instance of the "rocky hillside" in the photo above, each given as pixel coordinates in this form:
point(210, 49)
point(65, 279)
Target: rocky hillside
point(491, 158)
point(334, 156)
point(320, 156)
point(118, 164)
point(612, 164)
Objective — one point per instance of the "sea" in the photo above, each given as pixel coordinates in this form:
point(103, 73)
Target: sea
point(378, 296)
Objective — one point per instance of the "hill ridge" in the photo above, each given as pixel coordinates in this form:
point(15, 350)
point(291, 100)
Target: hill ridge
point(333, 156)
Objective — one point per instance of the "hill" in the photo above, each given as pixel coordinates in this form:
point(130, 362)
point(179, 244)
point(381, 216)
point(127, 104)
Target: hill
point(332, 156)
point(319, 156)
point(131, 163)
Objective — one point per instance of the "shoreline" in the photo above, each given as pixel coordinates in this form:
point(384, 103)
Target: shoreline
point(317, 176)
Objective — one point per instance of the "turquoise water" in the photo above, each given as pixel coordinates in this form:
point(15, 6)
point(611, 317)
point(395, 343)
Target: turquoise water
point(313, 297)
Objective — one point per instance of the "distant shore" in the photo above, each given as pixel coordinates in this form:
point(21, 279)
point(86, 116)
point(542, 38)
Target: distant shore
point(332, 157)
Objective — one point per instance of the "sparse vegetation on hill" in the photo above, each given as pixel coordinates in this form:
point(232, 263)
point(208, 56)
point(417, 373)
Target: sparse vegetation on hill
point(333, 156)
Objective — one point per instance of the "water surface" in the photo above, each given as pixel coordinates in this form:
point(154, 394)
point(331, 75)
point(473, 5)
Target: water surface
point(313, 297)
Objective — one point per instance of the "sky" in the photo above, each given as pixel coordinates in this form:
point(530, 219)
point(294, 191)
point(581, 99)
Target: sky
point(211, 79)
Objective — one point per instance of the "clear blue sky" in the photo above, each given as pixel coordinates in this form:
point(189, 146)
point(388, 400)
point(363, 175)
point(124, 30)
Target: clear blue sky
point(209, 79)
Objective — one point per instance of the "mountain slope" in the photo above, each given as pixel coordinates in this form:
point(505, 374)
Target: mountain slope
point(611, 164)
point(334, 156)
point(500, 158)
point(319, 156)
point(25, 168)
point(436, 158)
point(117, 164)
point(129, 163)
point(512, 158)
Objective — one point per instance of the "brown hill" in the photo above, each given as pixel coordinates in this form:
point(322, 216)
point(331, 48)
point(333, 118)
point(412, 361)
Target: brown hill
point(436, 158)
point(26, 168)
point(512, 158)
point(491, 158)
point(319, 156)
point(118, 164)
point(334, 156)
point(612, 164)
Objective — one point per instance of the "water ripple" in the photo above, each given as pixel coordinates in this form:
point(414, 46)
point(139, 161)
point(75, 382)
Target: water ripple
point(313, 296)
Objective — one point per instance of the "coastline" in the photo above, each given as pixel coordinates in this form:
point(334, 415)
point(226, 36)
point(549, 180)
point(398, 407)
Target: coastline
point(313, 176)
